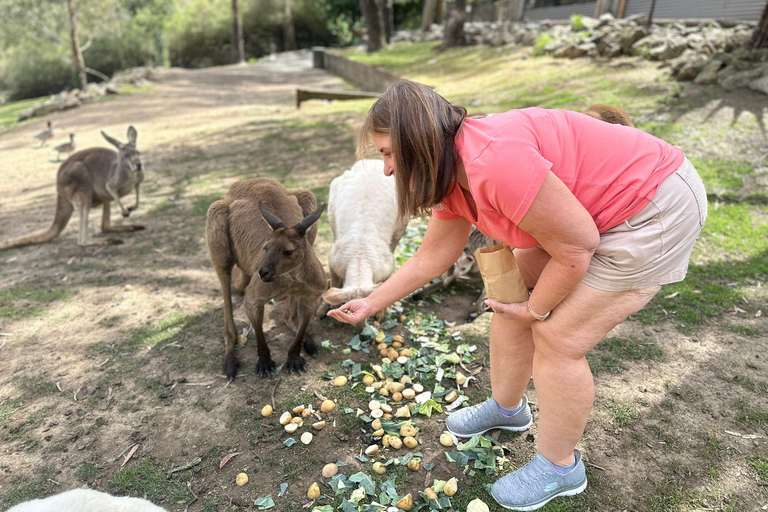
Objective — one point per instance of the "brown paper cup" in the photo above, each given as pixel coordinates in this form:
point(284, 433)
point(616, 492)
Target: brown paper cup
point(503, 280)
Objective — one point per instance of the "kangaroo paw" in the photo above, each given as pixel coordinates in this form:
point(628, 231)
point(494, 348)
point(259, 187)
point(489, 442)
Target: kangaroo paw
point(230, 366)
point(265, 366)
point(296, 363)
point(310, 347)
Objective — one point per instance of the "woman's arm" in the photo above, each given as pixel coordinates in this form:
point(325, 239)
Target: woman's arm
point(443, 243)
point(566, 230)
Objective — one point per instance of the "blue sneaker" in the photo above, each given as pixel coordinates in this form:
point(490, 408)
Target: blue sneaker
point(535, 484)
point(480, 418)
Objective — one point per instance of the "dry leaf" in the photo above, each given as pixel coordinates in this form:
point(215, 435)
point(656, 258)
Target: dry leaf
point(227, 458)
point(128, 456)
point(200, 383)
point(672, 295)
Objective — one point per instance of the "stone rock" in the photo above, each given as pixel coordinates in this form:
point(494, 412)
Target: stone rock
point(629, 35)
point(591, 23)
point(759, 85)
point(731, 78)
point(669, 49)
point(708, 75)
point(27, 113)
point(688, 65)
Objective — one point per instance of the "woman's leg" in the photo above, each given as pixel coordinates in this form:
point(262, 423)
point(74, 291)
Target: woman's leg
point(512, 343)
point(564, 387)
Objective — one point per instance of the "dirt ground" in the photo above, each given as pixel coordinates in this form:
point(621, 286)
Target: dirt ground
point(121, 346)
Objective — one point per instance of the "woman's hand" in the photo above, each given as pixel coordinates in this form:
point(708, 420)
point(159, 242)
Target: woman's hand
point(353, 311)
point(514, 311)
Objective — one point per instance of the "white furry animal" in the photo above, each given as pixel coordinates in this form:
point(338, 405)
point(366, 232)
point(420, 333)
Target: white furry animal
point(86, 500)
point(362, 210)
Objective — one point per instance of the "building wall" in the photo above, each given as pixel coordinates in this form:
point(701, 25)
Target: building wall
point(749, 10)
point(561, 12)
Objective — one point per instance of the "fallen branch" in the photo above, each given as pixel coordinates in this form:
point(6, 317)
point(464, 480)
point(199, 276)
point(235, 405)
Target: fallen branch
point(745, 436)
point(279, 380)
point(76, 392)
point(594, 466)
point(58, 386)
point(200, 383)
point(105, 362)
point(320, 396)
point(188, 465)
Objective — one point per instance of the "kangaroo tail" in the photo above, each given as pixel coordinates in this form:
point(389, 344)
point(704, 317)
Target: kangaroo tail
point(63, 213)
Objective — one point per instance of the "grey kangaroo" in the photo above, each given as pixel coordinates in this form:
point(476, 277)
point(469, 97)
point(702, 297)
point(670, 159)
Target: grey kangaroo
point(91, 178)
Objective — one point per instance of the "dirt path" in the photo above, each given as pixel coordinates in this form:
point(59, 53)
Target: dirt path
point(114, 347)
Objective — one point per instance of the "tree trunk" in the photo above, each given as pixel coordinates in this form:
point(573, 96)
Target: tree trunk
point(760, 38)
point(650, 14)
point(370, 9)
point(289, 32)
point(238, 44)
point(454, 25)
point(428, 14)
point(78, 55)
point(388, 19)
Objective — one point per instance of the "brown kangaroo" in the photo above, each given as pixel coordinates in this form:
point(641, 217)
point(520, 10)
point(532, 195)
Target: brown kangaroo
point(610, 114)
point(87, 179)
point(247, 236)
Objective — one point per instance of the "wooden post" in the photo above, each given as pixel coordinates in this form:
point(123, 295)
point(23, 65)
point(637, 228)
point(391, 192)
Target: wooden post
point(598, 8)
point(238, 46)
point(622, 6)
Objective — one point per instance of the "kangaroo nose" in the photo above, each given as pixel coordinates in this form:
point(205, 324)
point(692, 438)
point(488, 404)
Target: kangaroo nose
point(266, 275)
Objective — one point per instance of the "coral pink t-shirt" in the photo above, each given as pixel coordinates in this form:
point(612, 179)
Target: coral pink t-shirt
point(613, 170)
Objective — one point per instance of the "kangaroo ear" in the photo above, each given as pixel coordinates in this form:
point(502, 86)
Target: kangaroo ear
point(132, 135)
point(114, 142)
point(272, 219)
point(310, 219)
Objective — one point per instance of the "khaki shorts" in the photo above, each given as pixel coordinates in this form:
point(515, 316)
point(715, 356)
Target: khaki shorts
point(654, 246)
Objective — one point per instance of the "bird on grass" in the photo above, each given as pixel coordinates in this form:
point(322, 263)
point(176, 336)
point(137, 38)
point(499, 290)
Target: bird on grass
point(66, 147)
point(45, 135)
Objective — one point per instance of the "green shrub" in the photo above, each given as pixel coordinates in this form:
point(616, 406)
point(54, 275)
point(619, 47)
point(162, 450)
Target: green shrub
point(32, 71)
point(577, 22)
point(544, 40)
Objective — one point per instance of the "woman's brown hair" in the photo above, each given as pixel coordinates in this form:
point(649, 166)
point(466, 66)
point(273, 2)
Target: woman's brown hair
point(422, 126)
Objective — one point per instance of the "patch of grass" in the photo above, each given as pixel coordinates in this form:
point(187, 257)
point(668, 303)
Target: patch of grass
point(21, 302)
point(248, 421)
point(746, 382)
point(33, 387)
point(749, 416)
point(212, 504)
point(9, 114)
point(721, 175)
point(711, 454)
point(620, 350)
point(664, 131)
point(148, 336)
point(744, 330)
point(31, 491)
point(7, 410)
point(87, 471)
point(621, 413)
point(148, 479)
point(203, 202)
point(670, 497)
point(110, 321)
point(760, 463)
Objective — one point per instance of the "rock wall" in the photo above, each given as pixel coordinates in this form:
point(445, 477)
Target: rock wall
point(65, 100)
point(703, 52)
